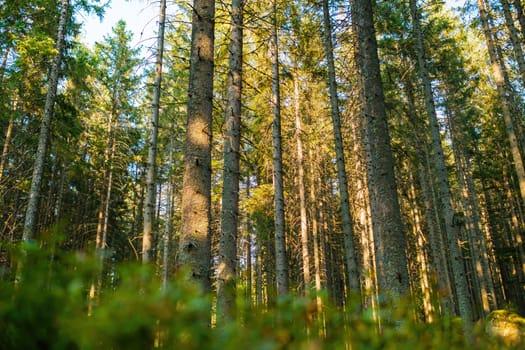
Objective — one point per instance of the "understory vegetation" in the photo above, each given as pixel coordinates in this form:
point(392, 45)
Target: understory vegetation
point(49, 307)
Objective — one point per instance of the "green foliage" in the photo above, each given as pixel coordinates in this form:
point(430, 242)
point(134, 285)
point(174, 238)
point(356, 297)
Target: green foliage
point(49, 308)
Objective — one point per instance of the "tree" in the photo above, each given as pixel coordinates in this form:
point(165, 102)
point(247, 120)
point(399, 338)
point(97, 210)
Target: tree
point(498, 75)
point(443, 186)
point(281, 261)
point(149, 205)
point(389, 235)
point(514, 37)
point(226, 288)
point(194, 244)
point(346, 217)
point(31, 216)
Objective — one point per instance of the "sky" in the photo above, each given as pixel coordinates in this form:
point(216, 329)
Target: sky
point(140, 17)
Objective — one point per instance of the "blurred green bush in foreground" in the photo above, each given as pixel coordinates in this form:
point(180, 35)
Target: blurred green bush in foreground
point(50, 308)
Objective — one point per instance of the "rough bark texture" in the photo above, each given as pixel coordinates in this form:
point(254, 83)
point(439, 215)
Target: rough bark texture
point(392, 273)
point(227, 272)
point(281, 260)
point(346, 217)
point(441, 177)
point(149, 205)
point(31, 216)
point(194, 245)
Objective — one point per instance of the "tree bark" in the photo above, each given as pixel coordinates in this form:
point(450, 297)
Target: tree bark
point(301, 186)
point(194, 246)
point(389, 235)
point(317, 236)
point(248, 247)
point(152, 152)
point(346, 217)
point(441, 176)
point(438, 251)
point(227, 272)
point(168, 216)
point(281, 260)
point(31, 217)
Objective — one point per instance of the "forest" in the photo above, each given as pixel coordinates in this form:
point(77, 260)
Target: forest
point(302, 174)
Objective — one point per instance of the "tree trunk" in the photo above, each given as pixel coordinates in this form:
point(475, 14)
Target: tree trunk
point(479, 254)
point(152, 152)
point(227, 272)
point(3, 66)
point(317, 237)
point(300, 179)
point(441, 177)
point(168, 216)
point(248, 247)
point(194, 246)
point(107, 178)
point(438, 252)
point(346, 217)
point(386, 216)
point(281, 260)
point(31, 217)
point(5, 149)
point(514, 38)
point(497, 73)
point(419, 262)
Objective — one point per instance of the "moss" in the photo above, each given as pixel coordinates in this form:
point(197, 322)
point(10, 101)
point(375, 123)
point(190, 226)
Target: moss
point(507, 326)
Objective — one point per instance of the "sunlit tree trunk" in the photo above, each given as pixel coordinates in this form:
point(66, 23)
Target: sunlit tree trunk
point(152, 151)
point(227, 271)
point(442, 180)
point(420, 266)
point(478, 251)
point(489, 233)
point(497, 73)
point(194, 245)
point(31, 216)
point(346, 217)
point(281, 260)
point(316, 234)
point(437, 245)
point(389, 234)
point(368, 277)
point(301, 183)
